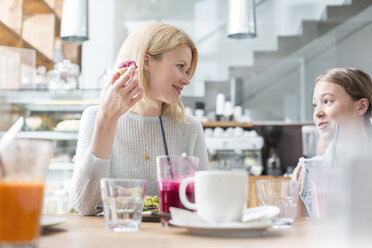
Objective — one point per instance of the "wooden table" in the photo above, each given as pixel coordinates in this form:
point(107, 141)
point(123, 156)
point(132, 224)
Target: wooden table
point(81, 231)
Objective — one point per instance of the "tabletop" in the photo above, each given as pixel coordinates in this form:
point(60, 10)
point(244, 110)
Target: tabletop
point(84, 231)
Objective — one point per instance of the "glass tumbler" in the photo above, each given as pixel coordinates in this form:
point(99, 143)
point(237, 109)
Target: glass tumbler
point(280, 193)
point(123, 203)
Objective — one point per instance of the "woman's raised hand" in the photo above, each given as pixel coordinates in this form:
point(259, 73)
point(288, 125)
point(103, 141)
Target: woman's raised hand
point(120, 94)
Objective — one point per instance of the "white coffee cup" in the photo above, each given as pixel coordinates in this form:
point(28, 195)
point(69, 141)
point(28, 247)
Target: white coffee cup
point(220, 196)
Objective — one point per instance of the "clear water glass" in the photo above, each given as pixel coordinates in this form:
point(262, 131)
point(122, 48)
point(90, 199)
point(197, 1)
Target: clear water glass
point(280, 193)
point(123, 203)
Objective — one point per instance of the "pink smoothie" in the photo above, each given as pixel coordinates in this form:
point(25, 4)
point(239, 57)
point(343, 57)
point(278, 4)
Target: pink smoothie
point(169, 196)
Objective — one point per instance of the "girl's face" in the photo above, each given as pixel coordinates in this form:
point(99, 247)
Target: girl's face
point(332, 105)
point(168, 75)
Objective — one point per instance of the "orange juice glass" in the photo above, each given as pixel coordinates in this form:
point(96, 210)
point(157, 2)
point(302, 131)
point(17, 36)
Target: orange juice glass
point(24, 166)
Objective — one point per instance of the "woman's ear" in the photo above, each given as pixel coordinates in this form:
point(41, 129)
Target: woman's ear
point(362, 106)
point(146, 62)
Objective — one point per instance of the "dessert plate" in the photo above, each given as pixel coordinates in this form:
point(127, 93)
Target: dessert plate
point(229, 229)
point(148, 217)
point(254, 222)
point(51, 221)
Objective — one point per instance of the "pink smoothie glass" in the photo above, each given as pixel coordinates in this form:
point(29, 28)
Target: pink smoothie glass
point(326, 186)
point(170, 172)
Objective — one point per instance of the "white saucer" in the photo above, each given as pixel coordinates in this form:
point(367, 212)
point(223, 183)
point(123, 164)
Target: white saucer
point(230, 229)
point(254, 222)
point(51, 221)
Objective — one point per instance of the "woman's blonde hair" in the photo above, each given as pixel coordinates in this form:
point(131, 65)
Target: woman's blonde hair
point(357, 85)
point(156, 39)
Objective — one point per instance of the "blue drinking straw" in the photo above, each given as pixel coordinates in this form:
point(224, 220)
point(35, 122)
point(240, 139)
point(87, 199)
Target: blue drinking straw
point(335, 146)
point(165, 146)
point(163, 136)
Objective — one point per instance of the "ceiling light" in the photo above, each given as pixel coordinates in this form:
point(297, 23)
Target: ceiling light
point(74, 24)
point(241, 19)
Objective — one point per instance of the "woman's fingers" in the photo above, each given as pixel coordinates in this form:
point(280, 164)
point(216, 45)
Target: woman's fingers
point(131, 85)
point(122, 92)
point(132, 82)
point(114, 77)
point(125, 79)
point(135, 92)
point(137, 97)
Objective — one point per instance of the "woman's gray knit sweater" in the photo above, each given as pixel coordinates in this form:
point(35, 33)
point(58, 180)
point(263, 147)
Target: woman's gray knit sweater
point(135, 136)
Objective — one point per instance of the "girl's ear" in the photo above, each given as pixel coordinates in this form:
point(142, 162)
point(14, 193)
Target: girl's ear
point(362, 106)
point(146, 62)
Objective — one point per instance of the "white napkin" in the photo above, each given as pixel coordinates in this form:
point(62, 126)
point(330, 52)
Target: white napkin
point(262, 213)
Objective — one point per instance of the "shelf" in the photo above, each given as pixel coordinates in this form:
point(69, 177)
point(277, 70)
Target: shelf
point(47, 135)
point(234, 143)
point(8, 37)
point(33, 7)
point(58, 101)
point(226, 124)
point(39, 25)
point(41, 58)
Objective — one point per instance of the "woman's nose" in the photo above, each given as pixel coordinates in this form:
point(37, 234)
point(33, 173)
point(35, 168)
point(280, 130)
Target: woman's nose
point(185, 81)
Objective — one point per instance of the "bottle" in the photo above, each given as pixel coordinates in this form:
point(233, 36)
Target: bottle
point(58, 56)
point(103, 78)
point(199, 111)
point(273, 164)
point(228, 111)
point(220, 106)
point(41, 78)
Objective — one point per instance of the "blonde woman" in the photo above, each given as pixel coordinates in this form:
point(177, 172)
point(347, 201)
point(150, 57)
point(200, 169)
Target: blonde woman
point(121, 137)
point(342, 96)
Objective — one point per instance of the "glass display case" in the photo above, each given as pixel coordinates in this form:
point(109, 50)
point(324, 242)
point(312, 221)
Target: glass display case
point(53, 116)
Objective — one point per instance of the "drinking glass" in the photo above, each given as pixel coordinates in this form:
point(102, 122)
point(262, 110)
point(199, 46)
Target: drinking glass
point(171, 170)
point(24, 167)
point(280, 193)
point(123, 203)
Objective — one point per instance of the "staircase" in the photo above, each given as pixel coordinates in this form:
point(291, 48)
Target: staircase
point(333, 16)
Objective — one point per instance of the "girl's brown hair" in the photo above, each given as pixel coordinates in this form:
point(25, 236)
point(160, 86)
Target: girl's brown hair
point(357, 85)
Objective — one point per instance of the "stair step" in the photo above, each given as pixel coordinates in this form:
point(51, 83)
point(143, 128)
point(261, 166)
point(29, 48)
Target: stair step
point(324, 27)
point(309, 30)
point(289, 44)
point(313, 29)
point(333, 16)
point(340, 13)
point(266, 59)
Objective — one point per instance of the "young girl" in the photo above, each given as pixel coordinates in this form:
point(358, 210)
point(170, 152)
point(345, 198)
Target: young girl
point(343, 97)
point(121, 137)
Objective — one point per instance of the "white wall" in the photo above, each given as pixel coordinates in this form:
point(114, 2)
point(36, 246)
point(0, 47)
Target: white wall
point(98, 53)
